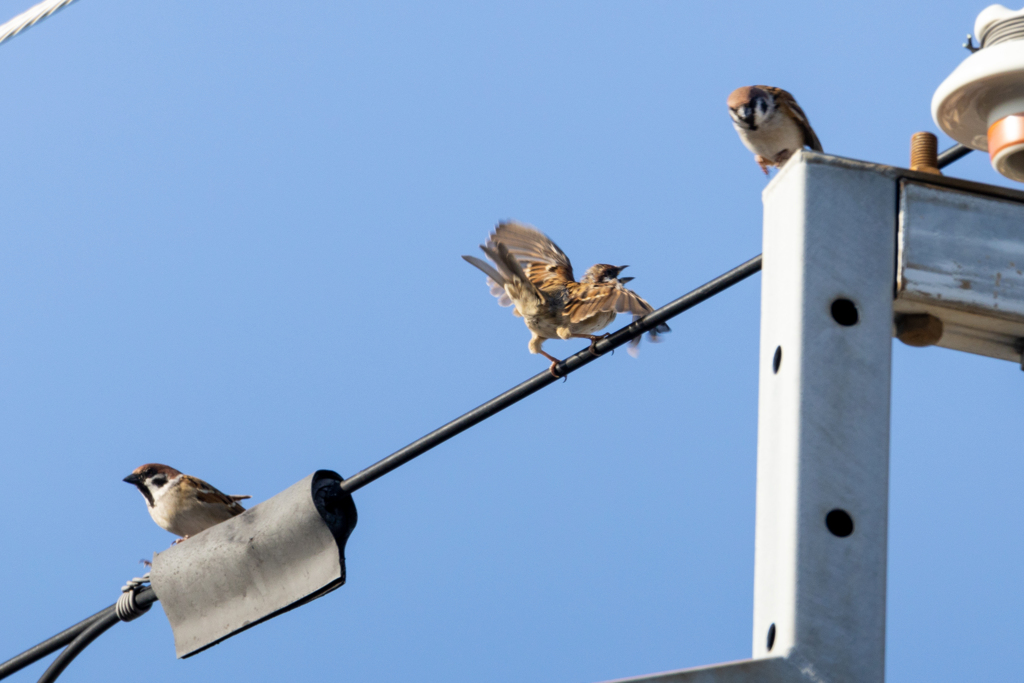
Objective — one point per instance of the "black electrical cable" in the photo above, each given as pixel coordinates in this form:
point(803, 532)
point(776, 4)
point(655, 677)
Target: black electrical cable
point(538, 382)
point(44, 648)
point(91, 633)
point(952, 154)
point(143, 599)
point(78, 637)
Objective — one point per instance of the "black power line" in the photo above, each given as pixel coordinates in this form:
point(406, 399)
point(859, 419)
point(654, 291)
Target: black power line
point(81, 634)
point(78, 637)
point(36, 653)
point(952, 154)
point(543, 379)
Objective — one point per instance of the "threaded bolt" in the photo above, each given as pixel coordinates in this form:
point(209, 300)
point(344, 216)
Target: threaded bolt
point(924, 153)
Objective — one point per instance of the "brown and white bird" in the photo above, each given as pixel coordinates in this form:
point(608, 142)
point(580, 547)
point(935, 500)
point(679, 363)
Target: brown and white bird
point(180, 503)
point(771, 124)
point(531, 272)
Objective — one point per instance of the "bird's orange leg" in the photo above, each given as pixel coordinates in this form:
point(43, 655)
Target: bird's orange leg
point(554, 362)
point(762, 162)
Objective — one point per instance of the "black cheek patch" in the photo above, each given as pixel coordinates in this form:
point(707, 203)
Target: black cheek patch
point(147, 494)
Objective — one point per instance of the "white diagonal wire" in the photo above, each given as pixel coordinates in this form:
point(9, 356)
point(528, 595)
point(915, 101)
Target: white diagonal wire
point(30, 17)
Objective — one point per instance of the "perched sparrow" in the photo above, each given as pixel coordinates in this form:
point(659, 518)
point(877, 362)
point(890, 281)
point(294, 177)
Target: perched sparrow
point(182, 504)
point(771, 124)
point(531, 272)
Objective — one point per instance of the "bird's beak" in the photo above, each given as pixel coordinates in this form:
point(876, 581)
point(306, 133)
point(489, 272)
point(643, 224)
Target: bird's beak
point(624, 280)
point(132, 479)
point(747, 116)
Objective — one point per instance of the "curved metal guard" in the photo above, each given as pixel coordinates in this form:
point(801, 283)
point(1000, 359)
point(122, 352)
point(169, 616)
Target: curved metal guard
point(277, 556)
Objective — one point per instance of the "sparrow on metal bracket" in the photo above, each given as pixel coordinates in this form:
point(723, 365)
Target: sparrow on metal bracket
point(770, 124)
point(180, 503)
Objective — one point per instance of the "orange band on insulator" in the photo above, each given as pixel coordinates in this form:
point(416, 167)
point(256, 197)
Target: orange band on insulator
point(1005, 132)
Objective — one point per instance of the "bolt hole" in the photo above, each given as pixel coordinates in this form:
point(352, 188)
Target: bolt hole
point(839, 523)
point(777, 360)
point(844, 312)
point(771, 637)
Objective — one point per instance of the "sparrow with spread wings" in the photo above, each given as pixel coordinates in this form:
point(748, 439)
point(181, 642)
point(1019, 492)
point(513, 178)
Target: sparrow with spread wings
point(532, 273)
point(770, 124)
point(182, 504)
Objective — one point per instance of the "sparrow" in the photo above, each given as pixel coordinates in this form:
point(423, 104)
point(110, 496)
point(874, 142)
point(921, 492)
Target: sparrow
point(771, 124)
point(532, 273)
point(181, 503)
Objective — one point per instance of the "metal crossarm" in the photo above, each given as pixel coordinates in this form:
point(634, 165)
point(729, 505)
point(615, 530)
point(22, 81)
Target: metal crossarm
point(850, 250)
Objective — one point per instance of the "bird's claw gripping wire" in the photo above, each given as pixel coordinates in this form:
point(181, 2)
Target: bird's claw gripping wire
point(593, 344)
point(554, 372)
point(554, 364)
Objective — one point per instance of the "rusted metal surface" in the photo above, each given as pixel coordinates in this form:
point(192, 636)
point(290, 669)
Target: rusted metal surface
point(924, 153)
point(961, 259)
point(918, 329)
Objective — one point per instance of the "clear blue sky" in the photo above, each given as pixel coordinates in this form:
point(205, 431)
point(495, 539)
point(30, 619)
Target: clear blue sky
point(230, 242)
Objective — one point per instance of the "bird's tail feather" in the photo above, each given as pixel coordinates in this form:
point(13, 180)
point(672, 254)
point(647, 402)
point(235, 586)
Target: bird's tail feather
point(487, 268)
point(654, 335)
point(509, 266)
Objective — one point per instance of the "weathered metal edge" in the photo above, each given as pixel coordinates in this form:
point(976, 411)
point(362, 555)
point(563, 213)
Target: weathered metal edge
point(897, 173)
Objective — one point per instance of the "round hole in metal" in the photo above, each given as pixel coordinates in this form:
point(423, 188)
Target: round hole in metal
point(777, 360)
point(844, 312)
point(771, 637)
point(839, 523)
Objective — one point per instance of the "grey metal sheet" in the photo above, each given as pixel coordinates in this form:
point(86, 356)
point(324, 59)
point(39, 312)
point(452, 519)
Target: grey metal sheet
point(276, 556)
point(961, 258)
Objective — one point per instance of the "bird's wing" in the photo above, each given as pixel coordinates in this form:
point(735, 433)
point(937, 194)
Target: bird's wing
point(550, 278)
point(509, 274)
point(545, 264)
point(208, 494)
point(787, 100)
point(589, 299)
point(495, 281)
point(509, 270)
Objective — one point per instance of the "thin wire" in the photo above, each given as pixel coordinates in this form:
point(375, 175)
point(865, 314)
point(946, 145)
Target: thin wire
point(31, 17)
point(144, 598)
point(94, 631)
point(53, 644)
point(539, 381)
point(80, 635)
point(952, 154)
